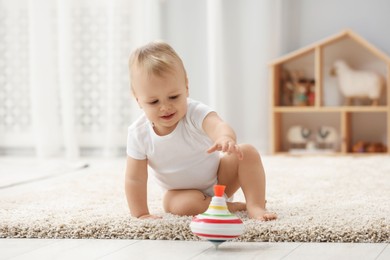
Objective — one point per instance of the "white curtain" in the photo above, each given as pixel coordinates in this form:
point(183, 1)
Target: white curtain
point(73, 57)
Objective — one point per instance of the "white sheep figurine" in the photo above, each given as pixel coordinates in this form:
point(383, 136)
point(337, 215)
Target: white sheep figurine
point(357, 84)
point(298, 136)
point(327, 137)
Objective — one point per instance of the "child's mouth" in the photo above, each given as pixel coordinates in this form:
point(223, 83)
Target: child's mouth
point(167, 117)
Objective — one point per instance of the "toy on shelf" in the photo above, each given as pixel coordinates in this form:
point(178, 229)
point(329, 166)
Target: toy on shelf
point(359, 147)
point(327, 137)
point(296, 89)
point(298, 136)
point(356, 84)
point(217, 224)
point(366, 147)
point(303, 139)
point(376, 148)
point(287, 89)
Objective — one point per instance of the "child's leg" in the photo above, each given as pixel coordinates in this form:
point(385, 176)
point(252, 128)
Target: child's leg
point(249, 175)
point(185, 202)
point(192, 202)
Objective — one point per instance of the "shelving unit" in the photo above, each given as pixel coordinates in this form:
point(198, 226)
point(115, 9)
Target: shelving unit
point(324, 106)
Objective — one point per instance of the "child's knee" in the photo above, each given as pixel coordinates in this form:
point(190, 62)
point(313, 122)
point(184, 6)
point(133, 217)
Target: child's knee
point(249, 151)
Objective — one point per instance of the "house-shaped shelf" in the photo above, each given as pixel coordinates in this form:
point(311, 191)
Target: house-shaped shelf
point(304, 93)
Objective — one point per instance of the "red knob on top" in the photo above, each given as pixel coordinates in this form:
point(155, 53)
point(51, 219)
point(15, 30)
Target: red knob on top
point(219, 190)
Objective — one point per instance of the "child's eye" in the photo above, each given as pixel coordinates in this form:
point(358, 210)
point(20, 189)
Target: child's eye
point(153, 102)
point(174, 97)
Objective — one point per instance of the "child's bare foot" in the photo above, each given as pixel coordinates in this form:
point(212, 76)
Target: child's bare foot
point(236, 206)
point(261, 214)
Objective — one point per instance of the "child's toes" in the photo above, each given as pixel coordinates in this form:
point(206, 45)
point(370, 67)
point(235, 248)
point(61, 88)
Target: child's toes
point(269, 216)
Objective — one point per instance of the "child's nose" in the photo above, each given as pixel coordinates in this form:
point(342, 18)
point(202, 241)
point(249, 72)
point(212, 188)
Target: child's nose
point(164, 106)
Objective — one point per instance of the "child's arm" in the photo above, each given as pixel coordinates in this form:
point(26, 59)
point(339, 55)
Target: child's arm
point(222, 134)
point(136, 187)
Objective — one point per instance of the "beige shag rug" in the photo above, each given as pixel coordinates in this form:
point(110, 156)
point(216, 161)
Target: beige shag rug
point(318, 199)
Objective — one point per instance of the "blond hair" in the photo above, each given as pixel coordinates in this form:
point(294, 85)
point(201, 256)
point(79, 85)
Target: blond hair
point(156, 58)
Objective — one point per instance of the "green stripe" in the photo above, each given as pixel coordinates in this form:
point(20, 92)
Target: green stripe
point(218, 215)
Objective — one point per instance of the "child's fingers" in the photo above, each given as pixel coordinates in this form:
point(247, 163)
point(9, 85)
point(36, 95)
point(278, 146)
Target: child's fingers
point(236, 150)
point(213, 148)
point(231, 147)
point(226, 147)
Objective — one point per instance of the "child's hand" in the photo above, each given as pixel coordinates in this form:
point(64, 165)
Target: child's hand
point(148, 216)
point(227, 145)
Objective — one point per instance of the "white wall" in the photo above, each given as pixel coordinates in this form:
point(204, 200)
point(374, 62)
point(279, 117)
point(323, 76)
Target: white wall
point(307, 21)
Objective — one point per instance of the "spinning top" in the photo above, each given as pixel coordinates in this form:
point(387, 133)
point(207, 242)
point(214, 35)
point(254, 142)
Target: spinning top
point(217, 224)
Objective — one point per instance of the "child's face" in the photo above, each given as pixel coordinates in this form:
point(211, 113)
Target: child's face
point(163, 98)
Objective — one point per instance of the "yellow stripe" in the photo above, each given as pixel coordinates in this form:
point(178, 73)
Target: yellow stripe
point(218, 207)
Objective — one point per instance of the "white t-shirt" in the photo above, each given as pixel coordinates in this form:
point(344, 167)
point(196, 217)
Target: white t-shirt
point(179, 160)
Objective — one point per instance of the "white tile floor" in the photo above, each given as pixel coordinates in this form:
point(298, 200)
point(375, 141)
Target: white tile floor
point(161, 249)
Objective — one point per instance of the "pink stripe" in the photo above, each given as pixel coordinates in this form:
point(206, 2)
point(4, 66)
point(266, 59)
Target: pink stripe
point(214, 236)
point(218, 221)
